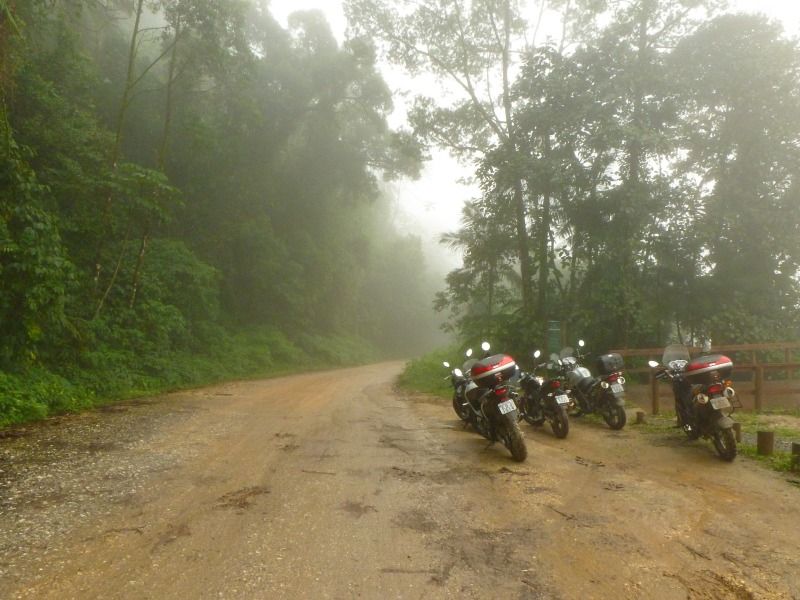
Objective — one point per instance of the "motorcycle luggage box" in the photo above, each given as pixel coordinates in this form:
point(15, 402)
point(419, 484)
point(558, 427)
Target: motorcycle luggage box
point(609, 363)
point(493, 369)
point(700, 369)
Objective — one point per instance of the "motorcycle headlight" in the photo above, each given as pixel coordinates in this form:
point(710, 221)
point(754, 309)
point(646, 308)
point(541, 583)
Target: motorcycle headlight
point(701, 398)
point(458, 372)
point(604, 385)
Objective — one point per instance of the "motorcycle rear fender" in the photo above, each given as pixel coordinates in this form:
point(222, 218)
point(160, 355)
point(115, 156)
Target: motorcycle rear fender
point(725, 422)
point(612, 398)
point(489, 406)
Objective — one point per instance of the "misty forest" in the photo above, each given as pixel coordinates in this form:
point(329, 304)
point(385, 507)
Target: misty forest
point(190, 191)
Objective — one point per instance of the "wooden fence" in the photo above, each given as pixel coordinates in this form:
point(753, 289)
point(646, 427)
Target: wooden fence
point(756, 359)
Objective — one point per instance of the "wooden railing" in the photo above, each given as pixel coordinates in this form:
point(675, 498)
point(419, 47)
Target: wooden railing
point(754, 363)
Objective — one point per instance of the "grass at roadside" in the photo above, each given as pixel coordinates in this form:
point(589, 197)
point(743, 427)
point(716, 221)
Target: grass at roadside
point(108, 375)
point(427, 374)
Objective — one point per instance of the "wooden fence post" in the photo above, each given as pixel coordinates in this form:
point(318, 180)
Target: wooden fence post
point(765, 442)
point(759, 385)
point(654, 393)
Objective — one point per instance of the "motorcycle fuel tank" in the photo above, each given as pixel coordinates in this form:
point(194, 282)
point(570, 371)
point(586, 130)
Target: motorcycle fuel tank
point(578, 374)
point(493, 369)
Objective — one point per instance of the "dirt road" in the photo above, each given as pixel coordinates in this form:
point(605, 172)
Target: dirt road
point(332, 485)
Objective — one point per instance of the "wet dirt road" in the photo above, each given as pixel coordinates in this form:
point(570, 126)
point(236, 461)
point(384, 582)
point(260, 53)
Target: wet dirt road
point(333, 485)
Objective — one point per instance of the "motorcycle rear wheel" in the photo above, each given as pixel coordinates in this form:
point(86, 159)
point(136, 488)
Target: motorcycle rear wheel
point(560, 423)
point(514, 441)
point(615, 416)
point(725, 444)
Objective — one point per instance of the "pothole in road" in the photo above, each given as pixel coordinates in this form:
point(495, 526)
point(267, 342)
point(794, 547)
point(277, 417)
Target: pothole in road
point(358, 509)
point(242, 498)
point(415, 520)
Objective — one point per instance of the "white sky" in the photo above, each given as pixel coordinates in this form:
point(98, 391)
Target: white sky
point(432, 204)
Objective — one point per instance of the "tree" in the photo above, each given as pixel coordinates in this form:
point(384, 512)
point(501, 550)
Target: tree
point(469, 47)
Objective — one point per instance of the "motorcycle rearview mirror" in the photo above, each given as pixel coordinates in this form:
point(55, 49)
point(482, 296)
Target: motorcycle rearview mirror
point(468, 352)
point(581, 343)
point(485, 346)
point(446, 364)
point(458, 372)
point(537, 354)
point(653, 364)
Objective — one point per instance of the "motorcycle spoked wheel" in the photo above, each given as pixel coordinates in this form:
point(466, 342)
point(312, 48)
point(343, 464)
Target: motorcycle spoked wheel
point(462, 410)
point(512, 438)
point(560, 423)
point(615, 416)
point(725, 444)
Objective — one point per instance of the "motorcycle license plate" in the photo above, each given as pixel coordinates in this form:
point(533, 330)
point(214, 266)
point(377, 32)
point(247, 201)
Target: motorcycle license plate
point(562, 399)
point(617, 388)
point(506, 407)
point(720, 402)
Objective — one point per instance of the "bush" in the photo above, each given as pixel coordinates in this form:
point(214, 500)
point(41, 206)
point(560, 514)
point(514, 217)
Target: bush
point(129, 365)
point(426, 374)
point(38, 393)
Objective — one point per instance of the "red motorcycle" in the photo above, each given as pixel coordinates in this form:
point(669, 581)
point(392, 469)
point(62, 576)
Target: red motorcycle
point(704, 395)
point(493, 412)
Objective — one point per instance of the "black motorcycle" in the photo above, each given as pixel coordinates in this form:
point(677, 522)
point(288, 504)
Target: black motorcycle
point(704, 396)
point(604, 394)
point(462, 384)
point(545, 399)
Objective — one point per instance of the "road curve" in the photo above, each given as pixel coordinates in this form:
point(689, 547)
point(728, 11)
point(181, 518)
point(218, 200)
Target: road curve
point(334, 485)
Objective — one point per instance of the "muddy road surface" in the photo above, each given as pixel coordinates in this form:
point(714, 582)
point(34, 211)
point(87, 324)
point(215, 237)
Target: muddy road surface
point(334, 485)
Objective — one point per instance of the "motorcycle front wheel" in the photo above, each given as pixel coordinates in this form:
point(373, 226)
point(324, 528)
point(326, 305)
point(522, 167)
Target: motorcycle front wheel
point(615, 416)
point(462, 410)
point(725, 444)
point(513, 440)
point(560, 423)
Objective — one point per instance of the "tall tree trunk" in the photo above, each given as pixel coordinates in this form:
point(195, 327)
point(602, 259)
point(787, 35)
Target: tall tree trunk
point(113, 159)
point(162, 159)
point(523, 250)
point(544, 238)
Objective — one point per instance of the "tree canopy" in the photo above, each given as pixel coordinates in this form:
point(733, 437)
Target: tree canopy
point(639, 175)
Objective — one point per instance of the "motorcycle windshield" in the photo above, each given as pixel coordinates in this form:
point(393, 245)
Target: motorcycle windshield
point(675, 352)
point(567, 351)
point(468, 365)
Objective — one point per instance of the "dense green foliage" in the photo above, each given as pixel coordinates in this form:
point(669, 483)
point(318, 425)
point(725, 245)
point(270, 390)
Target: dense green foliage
point(190, 192)
point(640, 175)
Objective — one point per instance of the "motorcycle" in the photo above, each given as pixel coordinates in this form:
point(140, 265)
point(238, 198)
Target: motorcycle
point(493, 408)
point(545, 399)
point(461, 385)
point(704, 396)
point(604, 394)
